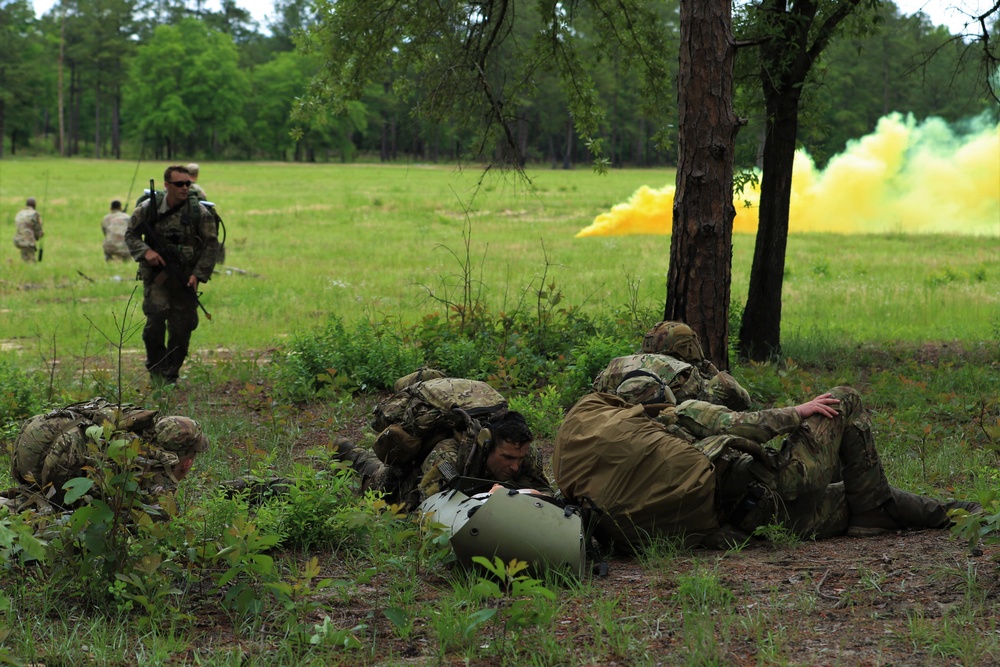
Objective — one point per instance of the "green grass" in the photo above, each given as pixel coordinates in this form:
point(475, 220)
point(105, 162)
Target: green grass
point(374, 241)
point(355, 241)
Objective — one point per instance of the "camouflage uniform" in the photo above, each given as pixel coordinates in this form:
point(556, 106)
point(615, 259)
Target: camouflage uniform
point(28, 230)
point(795, 480)
point(55, 447)
point(114, 226)
point(169, 306)
point(679, 340)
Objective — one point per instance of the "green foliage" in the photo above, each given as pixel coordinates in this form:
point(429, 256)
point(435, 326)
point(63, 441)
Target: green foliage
point(21, 395)
point(335, 359)
point(542, 410)
point(318, 510)
point(523, 601)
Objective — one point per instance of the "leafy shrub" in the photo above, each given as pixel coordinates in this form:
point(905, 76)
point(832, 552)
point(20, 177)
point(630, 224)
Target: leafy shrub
point(369, 357)
point(586, 360)
point(542, 410)
point(21, 393)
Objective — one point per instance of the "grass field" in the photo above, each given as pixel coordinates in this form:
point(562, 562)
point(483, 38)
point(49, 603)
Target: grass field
point(321, 576)
point(372, 241)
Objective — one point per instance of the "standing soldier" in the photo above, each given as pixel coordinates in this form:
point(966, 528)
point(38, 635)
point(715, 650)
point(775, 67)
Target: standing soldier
point(196, 189)
point(186, 236)
point(29, 230)
point(114, 225)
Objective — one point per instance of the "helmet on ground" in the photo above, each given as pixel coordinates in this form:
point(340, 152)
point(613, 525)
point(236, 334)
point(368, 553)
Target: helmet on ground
point(181, 435)
point(510, 524)
point(675, 339)
point(644, 388)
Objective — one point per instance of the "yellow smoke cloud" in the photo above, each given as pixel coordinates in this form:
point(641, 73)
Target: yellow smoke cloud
point(904, 177)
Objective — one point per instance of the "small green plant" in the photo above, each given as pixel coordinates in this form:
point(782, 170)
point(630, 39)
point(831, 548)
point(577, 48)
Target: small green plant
point(542, 410)
point(778, 535)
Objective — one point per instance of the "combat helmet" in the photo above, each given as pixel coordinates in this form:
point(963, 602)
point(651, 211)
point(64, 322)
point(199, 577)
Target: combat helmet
point(675, 339)
point(644, 387)
point(180, 435)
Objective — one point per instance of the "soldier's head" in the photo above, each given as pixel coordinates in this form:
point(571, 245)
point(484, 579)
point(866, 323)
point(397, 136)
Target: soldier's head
point(177, 181)
point(116, 205)
point(183, 437)
point(644, 389)
point(508, 442)
point(30, 203)
point(675, 339)
point(193, 169)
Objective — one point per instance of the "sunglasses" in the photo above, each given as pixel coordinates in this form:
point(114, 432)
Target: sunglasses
point(181, 184)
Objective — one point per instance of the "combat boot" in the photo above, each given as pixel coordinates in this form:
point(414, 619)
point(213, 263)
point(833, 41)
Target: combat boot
point(915, 511)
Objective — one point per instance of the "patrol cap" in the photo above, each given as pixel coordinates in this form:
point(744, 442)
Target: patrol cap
point(675, 339)
point(181, 435)
point(644, 389)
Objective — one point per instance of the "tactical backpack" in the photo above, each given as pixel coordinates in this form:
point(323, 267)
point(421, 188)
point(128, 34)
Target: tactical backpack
point(51, 448)
point(414, 420)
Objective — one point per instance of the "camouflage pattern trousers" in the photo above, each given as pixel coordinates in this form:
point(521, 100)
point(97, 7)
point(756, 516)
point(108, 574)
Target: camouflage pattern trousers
point(29, 253)
point(825, 471)
point(171, 312)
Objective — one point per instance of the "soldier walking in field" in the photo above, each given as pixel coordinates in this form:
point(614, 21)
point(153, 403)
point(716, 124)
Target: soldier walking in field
point(114, 225)
point(185, 235)
point(28, 230)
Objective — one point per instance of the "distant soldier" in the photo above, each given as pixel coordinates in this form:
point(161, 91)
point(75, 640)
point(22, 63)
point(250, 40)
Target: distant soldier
point(114, 225)
point(199, 192)
point(28, 230)
point(196, 189)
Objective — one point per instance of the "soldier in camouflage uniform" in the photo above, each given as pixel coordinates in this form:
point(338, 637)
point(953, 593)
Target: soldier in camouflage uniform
point(114, 225)
point(746, 483)
point(58, 446)
point(196, 190)
point(169, 303)
point(28, 230)
point(497, 448)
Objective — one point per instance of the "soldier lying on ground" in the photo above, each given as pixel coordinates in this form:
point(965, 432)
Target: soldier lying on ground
point(64, 444)
point(436, 430)
point(701, 471)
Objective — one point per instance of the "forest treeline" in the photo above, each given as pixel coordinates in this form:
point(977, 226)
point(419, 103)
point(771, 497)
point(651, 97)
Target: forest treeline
point(123, 78)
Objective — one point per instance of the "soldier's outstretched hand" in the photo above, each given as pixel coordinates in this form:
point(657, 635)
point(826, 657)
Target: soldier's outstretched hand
point(824, 404)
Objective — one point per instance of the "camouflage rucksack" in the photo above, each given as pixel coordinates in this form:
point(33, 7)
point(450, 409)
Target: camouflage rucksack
point(52, 448)
point(413, 421)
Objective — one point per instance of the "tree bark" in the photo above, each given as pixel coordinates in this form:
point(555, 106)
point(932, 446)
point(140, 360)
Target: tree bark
point(701, 242)
point(785, 61)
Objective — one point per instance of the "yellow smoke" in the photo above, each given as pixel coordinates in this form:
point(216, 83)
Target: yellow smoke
point(904, 177)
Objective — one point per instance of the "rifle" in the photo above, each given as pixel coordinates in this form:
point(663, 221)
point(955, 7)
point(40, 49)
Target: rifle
point(172, 263)
point(41, 249)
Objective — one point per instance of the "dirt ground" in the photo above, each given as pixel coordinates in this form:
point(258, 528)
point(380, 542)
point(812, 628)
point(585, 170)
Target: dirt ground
point(886, 600)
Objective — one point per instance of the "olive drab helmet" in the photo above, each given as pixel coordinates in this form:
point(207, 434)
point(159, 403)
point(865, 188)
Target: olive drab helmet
point(675, 339)
point(180, 435)
point(511, 525)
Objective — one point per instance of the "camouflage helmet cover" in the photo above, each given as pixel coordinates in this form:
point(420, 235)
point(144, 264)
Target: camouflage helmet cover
point(644, 389)
point(180, 435)
point(675, 339)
